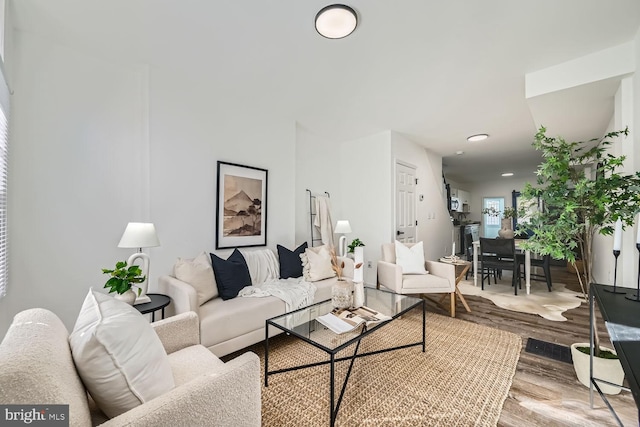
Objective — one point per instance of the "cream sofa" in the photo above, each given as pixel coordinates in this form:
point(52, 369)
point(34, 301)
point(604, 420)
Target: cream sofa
point(230, 325)
point(37, 368)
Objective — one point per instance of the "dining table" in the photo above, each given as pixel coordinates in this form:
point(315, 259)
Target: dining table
point(527, 263)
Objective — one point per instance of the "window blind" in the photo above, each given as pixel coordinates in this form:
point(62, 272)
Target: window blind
point(4, 159)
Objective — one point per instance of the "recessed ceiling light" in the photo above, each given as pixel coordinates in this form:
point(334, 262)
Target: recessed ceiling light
point(478, 137)
point(459, 153)
point(507, 174)
point(336, 21)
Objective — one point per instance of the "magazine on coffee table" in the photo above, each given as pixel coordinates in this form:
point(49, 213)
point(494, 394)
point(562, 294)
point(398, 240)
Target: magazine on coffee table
point(342, 320)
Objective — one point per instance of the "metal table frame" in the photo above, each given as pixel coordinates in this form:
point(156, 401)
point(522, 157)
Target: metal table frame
point(335, 405)
point(623, 325)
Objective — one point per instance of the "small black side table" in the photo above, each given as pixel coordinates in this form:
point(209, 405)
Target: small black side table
point(158, 302)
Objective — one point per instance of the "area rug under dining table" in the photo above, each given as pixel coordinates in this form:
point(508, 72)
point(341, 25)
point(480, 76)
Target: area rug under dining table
point(461, 380)
point(550, 305)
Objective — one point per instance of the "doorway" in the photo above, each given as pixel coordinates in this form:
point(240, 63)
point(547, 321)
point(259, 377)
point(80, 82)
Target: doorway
point(406, 203)
point(491, 224)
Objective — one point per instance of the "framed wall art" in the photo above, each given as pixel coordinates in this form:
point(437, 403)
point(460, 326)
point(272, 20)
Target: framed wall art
point(241, 214)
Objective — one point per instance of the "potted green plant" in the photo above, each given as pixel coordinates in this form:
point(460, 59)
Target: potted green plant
point(356, 243)
point(582, 192)
point(122, 279)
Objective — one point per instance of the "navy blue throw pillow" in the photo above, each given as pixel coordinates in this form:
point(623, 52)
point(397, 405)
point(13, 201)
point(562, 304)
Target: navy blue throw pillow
point(290, 262)
point(231, 274)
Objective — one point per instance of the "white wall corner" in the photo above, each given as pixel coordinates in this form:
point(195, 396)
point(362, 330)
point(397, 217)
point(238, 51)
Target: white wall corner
point(612, 62)
point(145, 144)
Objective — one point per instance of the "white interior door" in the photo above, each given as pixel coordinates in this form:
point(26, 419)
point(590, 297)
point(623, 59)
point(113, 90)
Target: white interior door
point(406, 203)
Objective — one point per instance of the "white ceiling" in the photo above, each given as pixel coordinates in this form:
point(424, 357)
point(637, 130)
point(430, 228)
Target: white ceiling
point(434, 71)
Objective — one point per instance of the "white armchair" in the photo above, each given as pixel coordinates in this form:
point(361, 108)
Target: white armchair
point(36, 367)
point(441, 277)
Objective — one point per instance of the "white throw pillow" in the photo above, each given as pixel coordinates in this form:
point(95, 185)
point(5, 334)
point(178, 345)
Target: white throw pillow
point(410, 259)
point(198, 273)
point(118, 355)
point(316, 264)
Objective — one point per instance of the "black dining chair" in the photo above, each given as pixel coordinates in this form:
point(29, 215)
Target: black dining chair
point(499, 254)
point(468, 240)
point(544, 263)
point(468, 251)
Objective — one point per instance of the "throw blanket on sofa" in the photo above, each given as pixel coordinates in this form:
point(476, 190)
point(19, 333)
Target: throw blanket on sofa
point(296, 293)
point(263, 265)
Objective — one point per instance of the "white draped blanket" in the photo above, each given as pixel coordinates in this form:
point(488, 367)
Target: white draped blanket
point(296, 293)
point(323, 220)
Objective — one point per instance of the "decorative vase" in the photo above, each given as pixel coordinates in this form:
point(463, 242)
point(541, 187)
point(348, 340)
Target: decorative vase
point(605, 369)
point(506, 232)
point(358, 257)
point(341, 294)
point(358, 294)
point(129, 297)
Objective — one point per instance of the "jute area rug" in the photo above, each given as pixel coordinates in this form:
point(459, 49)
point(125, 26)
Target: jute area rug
point(461, 380)
point(540, 301)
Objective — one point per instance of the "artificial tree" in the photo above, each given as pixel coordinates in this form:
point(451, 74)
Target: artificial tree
point(581, 191)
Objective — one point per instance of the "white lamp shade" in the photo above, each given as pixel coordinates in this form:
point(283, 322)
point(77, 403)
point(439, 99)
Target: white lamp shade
point(139, 235)
point(336, 21)
point(342, 227)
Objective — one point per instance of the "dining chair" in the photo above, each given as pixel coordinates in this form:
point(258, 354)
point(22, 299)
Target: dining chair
point(499, 254)
point(468, 239)
point(544, 263)
point(468, 251)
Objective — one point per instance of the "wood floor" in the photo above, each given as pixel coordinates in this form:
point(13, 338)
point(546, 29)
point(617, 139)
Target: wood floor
point(546, 392)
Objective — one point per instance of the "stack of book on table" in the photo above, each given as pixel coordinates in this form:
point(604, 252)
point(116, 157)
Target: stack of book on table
point(342, 320)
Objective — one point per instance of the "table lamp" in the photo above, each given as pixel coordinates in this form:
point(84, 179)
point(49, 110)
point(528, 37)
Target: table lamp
point(140, 235)
point(342, 227)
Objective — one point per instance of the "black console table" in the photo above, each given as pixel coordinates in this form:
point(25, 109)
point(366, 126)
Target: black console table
point(622, 318)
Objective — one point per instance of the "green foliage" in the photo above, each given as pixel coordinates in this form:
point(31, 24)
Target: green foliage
point(577, 205)
point(508, 212)
point(605, 354)
point(354, 244)
point(123, 278)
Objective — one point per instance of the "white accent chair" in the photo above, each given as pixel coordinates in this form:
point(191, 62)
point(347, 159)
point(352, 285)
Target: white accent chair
point(37, 368)
point(441, 278)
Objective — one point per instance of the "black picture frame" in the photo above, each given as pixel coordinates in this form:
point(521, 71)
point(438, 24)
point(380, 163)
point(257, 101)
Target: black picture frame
point(241, 206)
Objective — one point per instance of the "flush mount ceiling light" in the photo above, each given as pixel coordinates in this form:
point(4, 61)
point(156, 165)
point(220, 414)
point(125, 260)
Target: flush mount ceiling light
point(478, 137)
point(507, 174)
point(459, 153)
point(336, 21)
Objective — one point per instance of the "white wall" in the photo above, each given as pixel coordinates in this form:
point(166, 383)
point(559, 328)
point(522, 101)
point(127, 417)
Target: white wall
point(192, 128)
point(366, 196)
point(636, 103)
point(74, 173)
point(97, 143)
point(625, 114)
point(498, 188)
point(435, 228)
point(317, 163)
point(359, 174)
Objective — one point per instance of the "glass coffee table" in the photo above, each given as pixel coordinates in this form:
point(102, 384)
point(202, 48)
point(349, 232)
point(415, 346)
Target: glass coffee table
point(303, 324)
